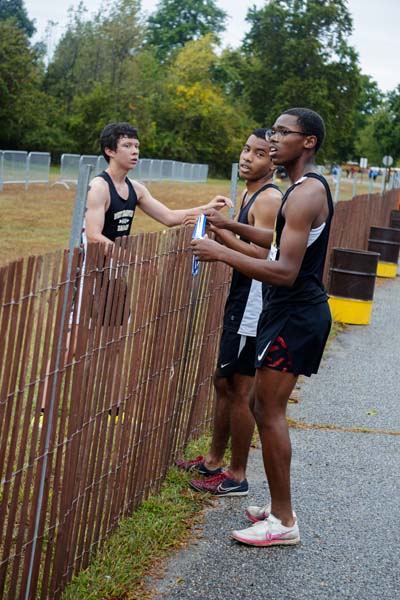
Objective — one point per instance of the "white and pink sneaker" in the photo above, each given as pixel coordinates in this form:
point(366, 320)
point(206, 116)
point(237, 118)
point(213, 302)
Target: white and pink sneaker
point(269, 532)
point(257, 513)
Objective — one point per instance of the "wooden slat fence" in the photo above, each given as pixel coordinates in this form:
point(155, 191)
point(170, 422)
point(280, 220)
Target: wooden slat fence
point(125, 380)
point(353, 218)
point(133, 384)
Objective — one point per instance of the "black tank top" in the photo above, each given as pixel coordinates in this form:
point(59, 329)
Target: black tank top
point(119, 216)
point(308, 286)
point(240, 284)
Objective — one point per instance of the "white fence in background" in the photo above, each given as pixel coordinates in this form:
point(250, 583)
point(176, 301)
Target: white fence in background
point(23, 167)
point(34, 167)
point(147, 169)
point(386, 182)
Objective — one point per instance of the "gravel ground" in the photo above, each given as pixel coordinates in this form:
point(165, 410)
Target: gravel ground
point(345, 488)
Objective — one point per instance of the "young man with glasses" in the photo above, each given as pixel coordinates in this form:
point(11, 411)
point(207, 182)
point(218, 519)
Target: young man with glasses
point(234, 375)
point(295, 321)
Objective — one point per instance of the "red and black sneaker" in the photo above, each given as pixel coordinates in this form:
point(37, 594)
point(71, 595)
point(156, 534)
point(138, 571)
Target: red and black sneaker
point(197, 465)
point(221, 485)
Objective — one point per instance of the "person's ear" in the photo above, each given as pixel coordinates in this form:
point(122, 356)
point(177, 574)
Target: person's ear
point(109, 152)
point(310, 142)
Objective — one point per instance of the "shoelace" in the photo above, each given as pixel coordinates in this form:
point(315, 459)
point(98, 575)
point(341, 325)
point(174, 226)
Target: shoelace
point(214, 481)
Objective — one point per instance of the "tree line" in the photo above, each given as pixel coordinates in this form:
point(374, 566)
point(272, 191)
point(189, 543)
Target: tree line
point(191, 99)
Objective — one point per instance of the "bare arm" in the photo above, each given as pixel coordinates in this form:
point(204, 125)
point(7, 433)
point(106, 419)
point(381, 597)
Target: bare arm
point(262, 215)
point(158, 211)
point(301, 212)
point(98, 200)
point(257, 235)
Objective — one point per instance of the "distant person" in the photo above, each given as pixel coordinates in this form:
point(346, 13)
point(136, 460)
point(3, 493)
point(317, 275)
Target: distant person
point(296, 319)
point(234, 375)
point(113, 197)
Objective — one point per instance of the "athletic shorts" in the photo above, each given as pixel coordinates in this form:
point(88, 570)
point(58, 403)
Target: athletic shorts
point(304, 329)
point(236, 354)
point(278, 356)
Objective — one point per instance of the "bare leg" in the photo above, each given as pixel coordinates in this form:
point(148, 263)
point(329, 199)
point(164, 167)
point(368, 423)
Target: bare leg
point(221, 425)
point(242, 424)
point(272, 391)
point(234, 418)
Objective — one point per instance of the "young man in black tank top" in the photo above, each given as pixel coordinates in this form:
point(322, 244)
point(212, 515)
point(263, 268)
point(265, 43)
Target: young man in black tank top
point(234, 375)
point(295, 323)
point(112, 197)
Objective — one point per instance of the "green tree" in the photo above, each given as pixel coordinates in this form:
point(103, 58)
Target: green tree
point(96, 71)
point(176, 22)
point(23, 106)
point(95, 51)
point(196, 121)
point(298, 55)
point(381, 133)
point(15, 9)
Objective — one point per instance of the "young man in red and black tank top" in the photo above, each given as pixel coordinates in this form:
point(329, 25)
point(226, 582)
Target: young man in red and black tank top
point(113, 197)
point(234, 375)
point(296, 320)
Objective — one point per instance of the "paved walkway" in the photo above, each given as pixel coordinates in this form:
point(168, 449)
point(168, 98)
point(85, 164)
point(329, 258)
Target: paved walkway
point(345, 487)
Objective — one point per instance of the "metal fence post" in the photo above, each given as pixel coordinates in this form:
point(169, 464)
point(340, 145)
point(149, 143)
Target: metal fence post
point(337, 188)
point(74, 241)
point(370, 186)
point(1, 170)
point(234, 182)
point(383, 185)
point(355, 180)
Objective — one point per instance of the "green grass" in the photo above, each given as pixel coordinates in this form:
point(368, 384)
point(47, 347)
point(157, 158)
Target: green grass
point(38, 220)
point(160, 525)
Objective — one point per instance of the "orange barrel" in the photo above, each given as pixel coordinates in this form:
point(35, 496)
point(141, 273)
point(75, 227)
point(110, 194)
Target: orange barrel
point(386, 241)
point(351, 285)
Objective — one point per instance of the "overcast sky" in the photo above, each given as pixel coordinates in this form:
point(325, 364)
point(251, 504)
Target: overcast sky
point(376, 34)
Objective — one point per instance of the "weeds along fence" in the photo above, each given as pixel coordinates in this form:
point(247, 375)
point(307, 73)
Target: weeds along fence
point(125, 380)
point(353, 218)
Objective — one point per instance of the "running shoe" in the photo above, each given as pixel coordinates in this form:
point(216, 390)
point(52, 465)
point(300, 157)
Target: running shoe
point(197, 464)
point(221, 485)
point(257, 513)
point(269, 532)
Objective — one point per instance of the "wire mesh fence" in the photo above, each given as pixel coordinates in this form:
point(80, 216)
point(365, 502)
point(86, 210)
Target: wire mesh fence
point(21, 167)
point(147, 169)
point(34, 167)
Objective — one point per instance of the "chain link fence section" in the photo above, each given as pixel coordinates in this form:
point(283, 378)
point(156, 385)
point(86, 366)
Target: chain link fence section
point(34, 167)
point(38, 168)
point(147, 169)
point(69, 169)
point(13, 167)
point(17, 166)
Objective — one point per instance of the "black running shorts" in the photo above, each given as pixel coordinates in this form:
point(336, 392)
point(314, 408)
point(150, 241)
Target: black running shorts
point(236, 354)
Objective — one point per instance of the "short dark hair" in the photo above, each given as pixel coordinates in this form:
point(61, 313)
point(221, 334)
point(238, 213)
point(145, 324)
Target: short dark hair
point(112, 133)
point(310, 122)
point(261, 132)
